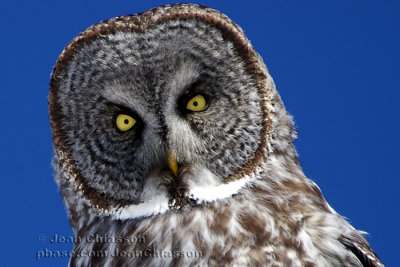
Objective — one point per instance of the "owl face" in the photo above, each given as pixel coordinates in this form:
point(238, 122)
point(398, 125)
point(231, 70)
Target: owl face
point(159, 113)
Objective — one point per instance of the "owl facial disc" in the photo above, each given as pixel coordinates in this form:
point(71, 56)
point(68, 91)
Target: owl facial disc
point(157, 118)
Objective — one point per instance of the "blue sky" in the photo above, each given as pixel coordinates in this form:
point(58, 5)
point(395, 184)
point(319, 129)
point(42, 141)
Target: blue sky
point(336, 66)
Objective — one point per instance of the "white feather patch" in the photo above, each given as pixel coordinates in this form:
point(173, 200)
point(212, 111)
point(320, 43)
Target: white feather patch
point(209, 193)
point(157, 205)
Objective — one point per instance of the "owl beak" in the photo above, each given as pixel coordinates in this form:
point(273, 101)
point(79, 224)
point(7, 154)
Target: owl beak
point(172, 164)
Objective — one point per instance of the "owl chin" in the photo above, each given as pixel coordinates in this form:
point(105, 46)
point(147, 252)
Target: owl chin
point(166, 192)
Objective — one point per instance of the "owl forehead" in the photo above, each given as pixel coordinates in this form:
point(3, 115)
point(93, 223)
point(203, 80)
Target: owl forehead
point(154, 52)
point(176, 39)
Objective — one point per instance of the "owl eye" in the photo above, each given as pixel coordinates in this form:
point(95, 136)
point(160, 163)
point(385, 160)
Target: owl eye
point(124, 122)
point(197, 103)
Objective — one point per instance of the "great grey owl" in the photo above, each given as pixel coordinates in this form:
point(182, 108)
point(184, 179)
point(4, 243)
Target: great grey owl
point(173, 148)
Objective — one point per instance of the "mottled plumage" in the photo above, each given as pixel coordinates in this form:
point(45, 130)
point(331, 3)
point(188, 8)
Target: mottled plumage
point(239, 196)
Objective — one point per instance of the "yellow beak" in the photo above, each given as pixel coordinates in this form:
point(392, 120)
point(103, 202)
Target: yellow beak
point(172, 164)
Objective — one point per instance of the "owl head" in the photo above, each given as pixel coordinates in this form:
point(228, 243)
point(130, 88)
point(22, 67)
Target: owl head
point(162, 111)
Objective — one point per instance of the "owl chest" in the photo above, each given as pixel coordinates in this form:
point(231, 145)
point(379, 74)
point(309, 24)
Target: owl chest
point(202, 237)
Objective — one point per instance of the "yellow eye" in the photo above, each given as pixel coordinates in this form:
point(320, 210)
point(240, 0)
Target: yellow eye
point(124, 122)
point(197, 103)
